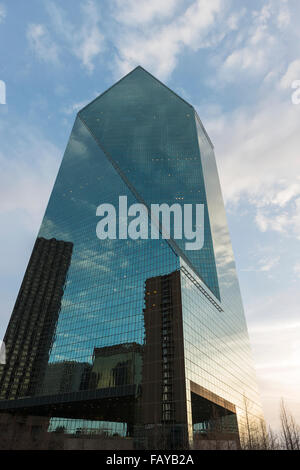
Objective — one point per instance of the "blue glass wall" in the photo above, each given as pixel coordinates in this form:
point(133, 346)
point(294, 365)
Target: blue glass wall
point(150, 133)
point(104, 294)
point(217, 350)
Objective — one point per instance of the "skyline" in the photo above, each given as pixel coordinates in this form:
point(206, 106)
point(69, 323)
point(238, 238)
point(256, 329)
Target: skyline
point(261, 194)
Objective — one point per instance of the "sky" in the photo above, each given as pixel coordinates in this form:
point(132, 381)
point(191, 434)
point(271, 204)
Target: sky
point(236, 62)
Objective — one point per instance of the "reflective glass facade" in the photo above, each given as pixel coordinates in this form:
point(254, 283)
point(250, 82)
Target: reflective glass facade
point(136, 339)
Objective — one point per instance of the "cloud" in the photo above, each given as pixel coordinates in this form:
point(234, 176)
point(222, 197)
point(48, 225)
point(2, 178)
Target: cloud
point(42, 44)
point(131, 12)
point(297, 269)
point(266, 264)
point(284, 16)
point(2, 12)
point(89, 41)
point(284, 196)
point(252, 50)
point(257, 144)
point(285, 222)
point(84, 40)
point(292, 74)
point(276, 348)
point(75, 107)
point(257, 149)
point(31, 162)
point(157, 47)
point(250, 38)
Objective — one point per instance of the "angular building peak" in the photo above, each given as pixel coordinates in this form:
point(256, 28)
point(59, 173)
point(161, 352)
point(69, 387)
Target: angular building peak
point(142, 74)
point(140, 123)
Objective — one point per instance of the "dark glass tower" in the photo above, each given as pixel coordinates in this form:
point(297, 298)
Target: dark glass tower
point(139, 339)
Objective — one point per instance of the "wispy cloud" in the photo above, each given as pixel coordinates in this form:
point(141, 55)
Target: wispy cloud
point(286, 222)
point(133, 13)
point(159, 45)
point(89, 41)
point(259, 160)
point(84, 41)
point(297, 269)
point(2, 12)
point(41, 43)
point(292, 74)
point(31, 162)
point(252, 53)
point(266, 264)
point(75, 107)
point(264, 34)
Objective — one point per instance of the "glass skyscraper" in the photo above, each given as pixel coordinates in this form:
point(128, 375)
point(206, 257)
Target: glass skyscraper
point(138, 340)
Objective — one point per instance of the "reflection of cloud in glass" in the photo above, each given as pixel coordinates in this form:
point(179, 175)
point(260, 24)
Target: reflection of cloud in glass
point(224, 257)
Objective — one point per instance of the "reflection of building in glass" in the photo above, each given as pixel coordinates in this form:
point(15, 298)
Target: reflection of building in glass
point(163, 404)
point(116, 366)
point(66, 376)
point(31, 328)
point(144, 335)
point(163, 386)
point(163, 367)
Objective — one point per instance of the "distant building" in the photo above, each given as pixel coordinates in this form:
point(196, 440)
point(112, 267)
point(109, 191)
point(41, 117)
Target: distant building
point(31, 329)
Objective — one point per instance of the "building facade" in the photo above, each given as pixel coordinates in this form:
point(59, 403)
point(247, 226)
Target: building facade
point(140, 339)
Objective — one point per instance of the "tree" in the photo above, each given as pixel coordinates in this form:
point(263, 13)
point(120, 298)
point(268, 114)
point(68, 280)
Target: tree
point(290, 431)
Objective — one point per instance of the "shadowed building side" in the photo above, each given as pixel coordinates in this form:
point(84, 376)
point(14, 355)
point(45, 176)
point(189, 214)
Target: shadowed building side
point(163, 386)
point(32, 325)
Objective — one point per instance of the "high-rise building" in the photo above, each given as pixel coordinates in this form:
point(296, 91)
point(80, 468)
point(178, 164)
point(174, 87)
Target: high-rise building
point(141, 338)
